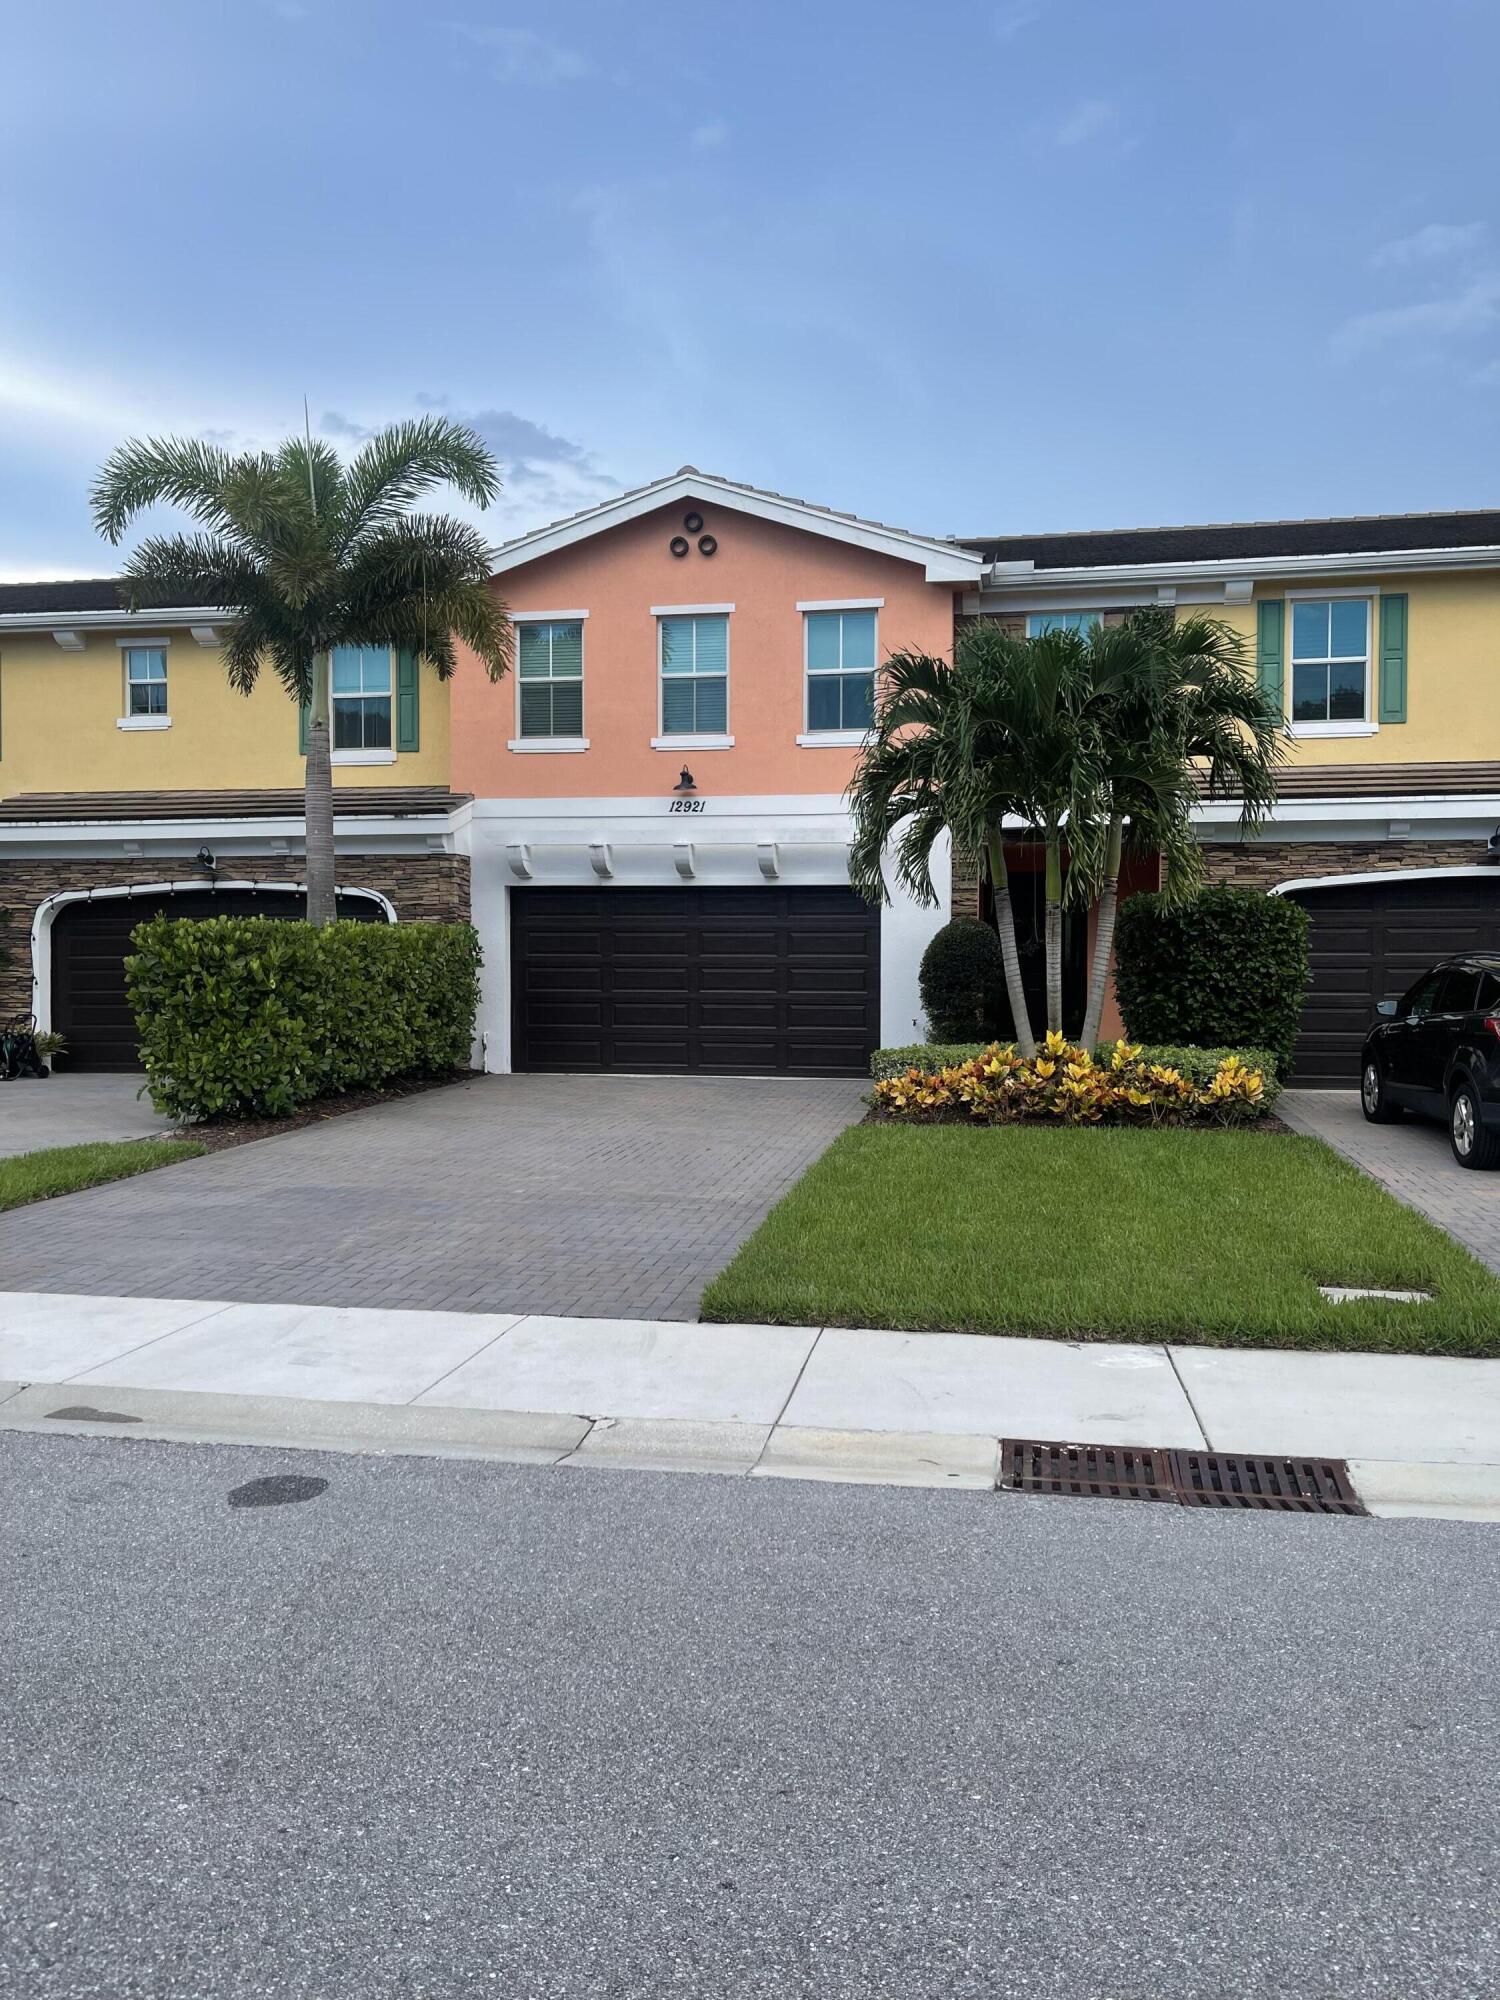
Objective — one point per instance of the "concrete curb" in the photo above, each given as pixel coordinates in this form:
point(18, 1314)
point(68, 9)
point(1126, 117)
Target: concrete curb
point(1389, 1488)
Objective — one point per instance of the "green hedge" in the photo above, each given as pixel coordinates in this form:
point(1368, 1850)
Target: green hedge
point(1227, 970)
point(1197, 1065)
point(961, 976)
point(250, 1017)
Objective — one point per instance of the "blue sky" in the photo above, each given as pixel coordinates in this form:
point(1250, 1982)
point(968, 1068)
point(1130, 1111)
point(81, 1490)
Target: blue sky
point(970, 267)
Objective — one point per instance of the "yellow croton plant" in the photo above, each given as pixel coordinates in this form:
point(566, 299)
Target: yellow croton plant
point(1065, 1084)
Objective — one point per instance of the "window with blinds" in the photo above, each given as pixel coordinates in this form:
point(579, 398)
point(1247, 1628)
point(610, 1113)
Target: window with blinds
point(840, 670)
point(694, 676)
point(550, 672)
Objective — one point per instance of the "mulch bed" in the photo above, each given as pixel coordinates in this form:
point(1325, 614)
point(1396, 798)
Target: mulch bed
point(217, 1134)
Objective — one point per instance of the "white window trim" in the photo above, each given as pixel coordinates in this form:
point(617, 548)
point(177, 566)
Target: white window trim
point(813, 739)
point(363, 756)
point(809, 734)
point(135, 644)
point(517, 742)
point(1366, 725)
point(662, 741)
point(547, 746)
point(841, 604)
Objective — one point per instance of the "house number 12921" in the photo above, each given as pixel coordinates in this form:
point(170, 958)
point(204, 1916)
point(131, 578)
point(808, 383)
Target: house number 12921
point(686, 805)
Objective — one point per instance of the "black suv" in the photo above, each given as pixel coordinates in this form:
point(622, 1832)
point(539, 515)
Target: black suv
point(1437, 1051)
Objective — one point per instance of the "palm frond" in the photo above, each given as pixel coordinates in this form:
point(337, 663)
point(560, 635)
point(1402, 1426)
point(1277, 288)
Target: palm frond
point(183, 471)
point(405, 461)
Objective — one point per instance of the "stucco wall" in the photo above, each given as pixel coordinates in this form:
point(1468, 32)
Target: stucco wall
point(763, 570)
point(59, 711)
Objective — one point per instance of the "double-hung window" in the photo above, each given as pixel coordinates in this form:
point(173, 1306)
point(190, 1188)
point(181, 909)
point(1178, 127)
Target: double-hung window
point(694, 675)
point(840, 670)
point(551, 678)
point(1330, 660)
point(145, 681)
point(361, 698)
point(1081, 622)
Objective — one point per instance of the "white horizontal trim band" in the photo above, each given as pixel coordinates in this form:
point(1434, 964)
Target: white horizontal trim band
point(841, 604)
point(692, 743)
point(545, 617)
point(364, 756)
point(547, 746)
point(133, 639)
point(691, 610)
point(833, 738)
point(144, 722)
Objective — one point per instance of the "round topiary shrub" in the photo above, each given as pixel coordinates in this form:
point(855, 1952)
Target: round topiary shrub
point(961, 981)
point(1227, 970)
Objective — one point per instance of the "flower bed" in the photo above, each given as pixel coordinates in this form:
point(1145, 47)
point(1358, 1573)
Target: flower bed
point(1065, 1085)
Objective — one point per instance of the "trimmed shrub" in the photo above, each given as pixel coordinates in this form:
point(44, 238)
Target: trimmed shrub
point(1064, 1085)
point(1199, 1066)
point(250, 1017)
point(961, 977)
point(1228, 969)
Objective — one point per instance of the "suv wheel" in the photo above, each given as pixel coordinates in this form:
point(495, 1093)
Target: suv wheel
point(1475, 1144)
point(1372, 1098)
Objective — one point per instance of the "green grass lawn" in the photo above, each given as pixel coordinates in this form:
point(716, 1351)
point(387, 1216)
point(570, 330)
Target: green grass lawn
point(64, 1169)
point(1214, 1237)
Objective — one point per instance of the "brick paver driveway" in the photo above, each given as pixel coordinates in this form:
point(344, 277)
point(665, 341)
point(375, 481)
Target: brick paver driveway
point(606, 1196)
point(1412, 1158)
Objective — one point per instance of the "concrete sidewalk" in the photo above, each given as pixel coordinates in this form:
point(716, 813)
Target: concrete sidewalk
point(1423, 1435)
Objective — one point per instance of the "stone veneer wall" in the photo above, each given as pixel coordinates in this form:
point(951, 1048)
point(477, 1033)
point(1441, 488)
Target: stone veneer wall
point(1261, 864)
point(425, 888)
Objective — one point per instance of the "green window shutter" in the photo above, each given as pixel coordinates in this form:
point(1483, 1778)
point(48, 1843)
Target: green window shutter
point(408, 734)
point(1270, 649)
point(1393, 658)
point(302, 713)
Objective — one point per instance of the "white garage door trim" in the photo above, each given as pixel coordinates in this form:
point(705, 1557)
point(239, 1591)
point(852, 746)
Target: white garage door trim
point(46, 912)
point(1380, 875)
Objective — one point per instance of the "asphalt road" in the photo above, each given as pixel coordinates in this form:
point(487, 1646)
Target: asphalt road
point(454, 1729)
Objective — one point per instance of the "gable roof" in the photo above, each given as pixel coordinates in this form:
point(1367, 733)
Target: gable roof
point(945, 561)
point(1231, 541)
point(82, 593)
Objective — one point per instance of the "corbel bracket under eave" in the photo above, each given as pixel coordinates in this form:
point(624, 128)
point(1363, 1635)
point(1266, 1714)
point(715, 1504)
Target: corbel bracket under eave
point(601, 860)
point(683, 860)
point(518, 858)
point(768, 858)
point(1239, 589)
point(71, 642)
point(206, 635)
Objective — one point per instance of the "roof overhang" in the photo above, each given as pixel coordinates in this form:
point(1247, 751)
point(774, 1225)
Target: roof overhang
point(942, 562)
point(1010, 581)
point(172, 618)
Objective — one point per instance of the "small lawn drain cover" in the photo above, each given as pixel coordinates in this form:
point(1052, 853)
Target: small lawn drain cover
point(278, 1489)
point(1341, 1295)
point(1106, 1471)
point(1185, 1478)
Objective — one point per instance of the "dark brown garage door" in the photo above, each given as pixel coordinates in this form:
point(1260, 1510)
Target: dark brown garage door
point(1370, 939)
point(89, 945)
point(732, 981)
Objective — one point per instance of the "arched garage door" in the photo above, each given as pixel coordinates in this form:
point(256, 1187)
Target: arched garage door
point(1371, 938)
point(89, 946)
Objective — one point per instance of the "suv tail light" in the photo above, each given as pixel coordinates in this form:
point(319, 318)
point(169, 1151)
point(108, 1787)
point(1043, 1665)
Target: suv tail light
point(1492, 1022)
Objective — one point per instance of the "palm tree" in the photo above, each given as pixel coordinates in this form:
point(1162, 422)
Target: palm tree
point(947, 754)
point(1172, 711)
point(310, 554)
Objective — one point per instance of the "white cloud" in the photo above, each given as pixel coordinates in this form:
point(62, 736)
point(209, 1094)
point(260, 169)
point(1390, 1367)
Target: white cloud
point(711, 135)
point(1473, 310)
point(1008, 20)
point(524, 56)
point(1433, 241)
point(1090, 119)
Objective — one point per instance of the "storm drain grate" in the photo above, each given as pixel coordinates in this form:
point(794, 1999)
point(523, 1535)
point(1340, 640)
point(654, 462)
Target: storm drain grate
point(1185, 1478)
point(1106, 1471)
point(1295, 1485)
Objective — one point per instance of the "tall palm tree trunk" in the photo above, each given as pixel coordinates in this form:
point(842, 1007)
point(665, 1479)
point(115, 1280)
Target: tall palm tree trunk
point(1104, 933)
point(1053, 930)
point(1005, 924)
point(318, 807)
